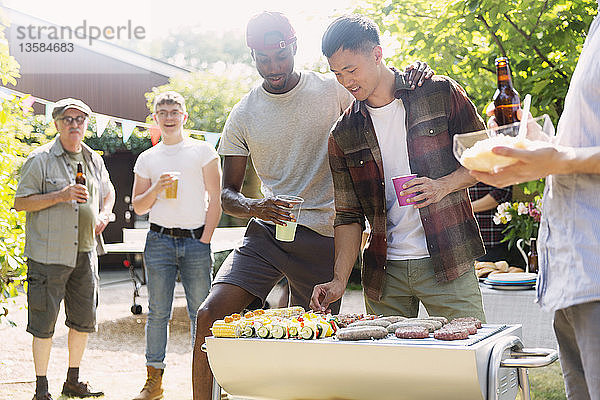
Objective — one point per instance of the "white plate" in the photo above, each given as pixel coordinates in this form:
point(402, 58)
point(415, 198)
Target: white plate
point(513, 277)
point(510, 287)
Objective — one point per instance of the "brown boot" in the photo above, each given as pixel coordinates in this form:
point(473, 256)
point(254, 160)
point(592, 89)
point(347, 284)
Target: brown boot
point(153, 388)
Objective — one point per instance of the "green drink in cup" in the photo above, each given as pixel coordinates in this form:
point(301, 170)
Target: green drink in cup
point(287, 233)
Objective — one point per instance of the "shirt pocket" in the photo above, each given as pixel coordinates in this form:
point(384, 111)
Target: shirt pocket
point(430, 127)
point(359, 159)
point(54, 184)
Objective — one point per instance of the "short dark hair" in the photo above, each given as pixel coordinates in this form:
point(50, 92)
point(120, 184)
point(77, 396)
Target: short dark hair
point(350, 32)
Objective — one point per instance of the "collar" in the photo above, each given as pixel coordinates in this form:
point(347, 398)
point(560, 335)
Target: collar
point(400, 87)
point(58, 150)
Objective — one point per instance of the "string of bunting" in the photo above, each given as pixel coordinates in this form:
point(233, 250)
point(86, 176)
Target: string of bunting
point(102, 121)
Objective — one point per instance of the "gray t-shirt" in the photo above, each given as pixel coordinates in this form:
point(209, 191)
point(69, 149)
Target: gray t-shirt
point(286, 136)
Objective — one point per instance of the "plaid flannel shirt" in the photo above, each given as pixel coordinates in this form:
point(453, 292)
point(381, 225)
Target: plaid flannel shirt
point(434, 112)
point(490, 232)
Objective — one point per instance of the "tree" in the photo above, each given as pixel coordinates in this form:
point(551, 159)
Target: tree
point(209, 96)
point(461, 38)
point(192, 48)
point(12, 156)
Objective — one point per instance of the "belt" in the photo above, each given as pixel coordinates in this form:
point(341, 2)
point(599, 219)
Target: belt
point(178, 232)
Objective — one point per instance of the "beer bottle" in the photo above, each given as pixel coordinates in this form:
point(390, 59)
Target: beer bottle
point(506, 98)
point(80, 177)
point(532, 257)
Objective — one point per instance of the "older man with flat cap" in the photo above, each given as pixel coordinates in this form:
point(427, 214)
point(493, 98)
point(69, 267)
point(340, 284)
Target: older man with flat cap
point(283, 124)
point(64, 223)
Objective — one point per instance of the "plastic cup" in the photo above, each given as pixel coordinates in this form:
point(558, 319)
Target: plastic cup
point(287, 233)
point(171, 190)
point(398, 182)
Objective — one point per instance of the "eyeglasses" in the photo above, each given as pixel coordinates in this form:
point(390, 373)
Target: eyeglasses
point(172, 114)
point(69, 120)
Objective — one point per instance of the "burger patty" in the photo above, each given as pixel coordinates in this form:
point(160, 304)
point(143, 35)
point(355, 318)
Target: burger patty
point(473, 320)
point(412, 332)
point(451, 334)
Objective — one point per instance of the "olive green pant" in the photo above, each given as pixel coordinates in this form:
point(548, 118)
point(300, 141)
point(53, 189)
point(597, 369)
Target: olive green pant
point(409, 281)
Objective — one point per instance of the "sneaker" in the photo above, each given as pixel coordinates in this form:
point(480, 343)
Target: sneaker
point(79, 389)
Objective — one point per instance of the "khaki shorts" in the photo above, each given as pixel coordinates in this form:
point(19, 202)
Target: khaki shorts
point(409, 281)
point(49, 284)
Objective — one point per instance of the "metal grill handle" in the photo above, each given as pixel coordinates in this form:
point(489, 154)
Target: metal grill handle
point(530, 358)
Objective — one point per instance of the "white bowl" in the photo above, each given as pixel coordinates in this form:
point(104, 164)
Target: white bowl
point(474, 150)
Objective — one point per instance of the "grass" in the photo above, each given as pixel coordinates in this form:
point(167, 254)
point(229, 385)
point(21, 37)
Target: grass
point(547, 383)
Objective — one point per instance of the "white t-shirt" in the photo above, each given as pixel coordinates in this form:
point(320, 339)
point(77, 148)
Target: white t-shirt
point(286, 137)
point(188, 210)
point(405, 233)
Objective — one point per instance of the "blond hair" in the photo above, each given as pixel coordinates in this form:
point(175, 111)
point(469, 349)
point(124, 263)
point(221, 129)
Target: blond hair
point(170, 97)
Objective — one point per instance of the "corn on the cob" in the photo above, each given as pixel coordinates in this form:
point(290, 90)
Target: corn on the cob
point(221, 328)
point(286, 312)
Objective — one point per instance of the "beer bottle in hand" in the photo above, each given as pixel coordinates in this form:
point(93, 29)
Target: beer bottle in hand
point(80, 176)
point(506, 98)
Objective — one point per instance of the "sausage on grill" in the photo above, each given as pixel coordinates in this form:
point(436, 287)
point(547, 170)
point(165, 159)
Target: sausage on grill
point(362, 333)
point(427, 324)
point(371, 322)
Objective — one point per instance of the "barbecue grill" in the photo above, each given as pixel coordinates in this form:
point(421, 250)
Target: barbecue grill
point(490, 365)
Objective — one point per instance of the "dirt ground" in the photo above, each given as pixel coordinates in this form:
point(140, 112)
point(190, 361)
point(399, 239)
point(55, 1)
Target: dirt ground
point(114, 360)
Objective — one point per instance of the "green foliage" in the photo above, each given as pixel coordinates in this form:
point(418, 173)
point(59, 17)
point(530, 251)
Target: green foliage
point(461, 38)
point(209, 97)
point(12, 155)
point(198, 50)
point(111, 140)
point(533, 187)
point(12, 224)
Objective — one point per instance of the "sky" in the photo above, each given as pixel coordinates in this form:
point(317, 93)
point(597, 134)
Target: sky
point(309, 17)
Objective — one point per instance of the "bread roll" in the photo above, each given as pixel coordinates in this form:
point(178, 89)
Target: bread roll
point(515, 269)
point(483, 272)
point(495, 272)
point(502, 266)
point(484, 264)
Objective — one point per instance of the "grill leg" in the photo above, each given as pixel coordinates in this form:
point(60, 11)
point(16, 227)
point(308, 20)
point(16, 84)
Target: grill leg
point(524, 383)
point(216, 390)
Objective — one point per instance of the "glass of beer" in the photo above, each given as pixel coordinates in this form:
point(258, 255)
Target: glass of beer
point(287, 233)
point(171, 190)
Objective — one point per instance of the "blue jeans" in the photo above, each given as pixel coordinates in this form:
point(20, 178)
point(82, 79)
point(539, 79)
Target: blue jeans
point(164, 255)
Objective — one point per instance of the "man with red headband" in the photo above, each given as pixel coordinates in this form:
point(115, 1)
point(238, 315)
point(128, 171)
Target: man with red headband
point(283, 125)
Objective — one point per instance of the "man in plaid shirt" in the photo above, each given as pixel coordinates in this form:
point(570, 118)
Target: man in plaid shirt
point(485, 199)
point(423, 252)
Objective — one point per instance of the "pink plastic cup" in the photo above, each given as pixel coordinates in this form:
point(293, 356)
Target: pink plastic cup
point(398, 182)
